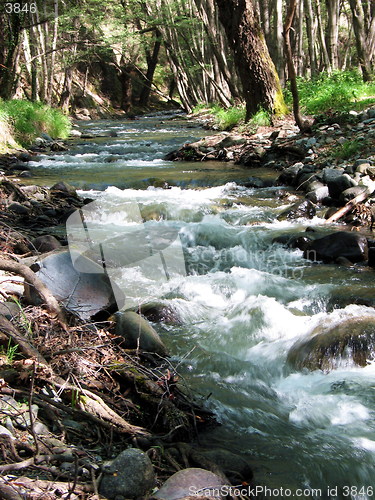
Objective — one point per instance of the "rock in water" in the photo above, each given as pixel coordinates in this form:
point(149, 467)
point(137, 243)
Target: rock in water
point(329, 248)
point(350, 342)
point(129, 475)
point(304, 209)
point(85, 294)
point(138, 332)
point(191, 482)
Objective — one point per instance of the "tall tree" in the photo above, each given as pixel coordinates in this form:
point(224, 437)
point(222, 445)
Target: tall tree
point(260, 82)
point(361, 41)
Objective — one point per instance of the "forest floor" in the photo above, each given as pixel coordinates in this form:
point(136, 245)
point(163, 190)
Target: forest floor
point(72, 395)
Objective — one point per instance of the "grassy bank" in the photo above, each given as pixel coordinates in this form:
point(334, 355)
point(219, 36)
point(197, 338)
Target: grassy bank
point(22, 121)
point(340, 92)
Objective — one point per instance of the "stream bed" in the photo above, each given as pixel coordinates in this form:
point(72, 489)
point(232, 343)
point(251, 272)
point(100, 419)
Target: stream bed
point(240, 302)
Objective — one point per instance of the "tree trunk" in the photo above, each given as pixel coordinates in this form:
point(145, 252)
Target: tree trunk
point(291, 70)
point(310, 29)
point(323, 46)
point(152, 61)
point(332, 34)
point(10, 51)
point(260, 82)
point(360, 38)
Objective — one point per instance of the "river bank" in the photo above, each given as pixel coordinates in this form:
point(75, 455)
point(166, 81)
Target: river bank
point(205, 232)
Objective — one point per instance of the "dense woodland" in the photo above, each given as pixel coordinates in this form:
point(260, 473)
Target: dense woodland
point(87, 53)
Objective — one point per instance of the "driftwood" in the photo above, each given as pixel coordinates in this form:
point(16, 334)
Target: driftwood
point(351, 204)
point(33, 280)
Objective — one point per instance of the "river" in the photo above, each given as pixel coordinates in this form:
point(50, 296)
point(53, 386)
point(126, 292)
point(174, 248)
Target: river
point(242, 303)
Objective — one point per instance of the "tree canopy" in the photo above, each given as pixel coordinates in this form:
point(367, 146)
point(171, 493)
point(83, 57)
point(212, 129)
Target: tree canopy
point(124, 53)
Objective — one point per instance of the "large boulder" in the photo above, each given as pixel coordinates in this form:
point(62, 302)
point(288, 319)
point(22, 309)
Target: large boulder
point(82, 286)
point(138, 332)
point(346, 244)
point(304, 209)
point(339, 184)
point(352, 341)
point(129, 475)
point(189, 483)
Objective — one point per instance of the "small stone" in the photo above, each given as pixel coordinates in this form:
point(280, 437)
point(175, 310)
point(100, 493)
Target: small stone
point(362, 168)
point(187, 482)
point(40, 429)
point(342, 140)
point(129, 475)
point(64, 187)
point(18, 208)
point(361, 161)
point(138, 332)
point(45, 243)
point(5, 432)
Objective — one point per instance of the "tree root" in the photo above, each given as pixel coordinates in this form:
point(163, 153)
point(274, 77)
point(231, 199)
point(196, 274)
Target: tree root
point(33, 280)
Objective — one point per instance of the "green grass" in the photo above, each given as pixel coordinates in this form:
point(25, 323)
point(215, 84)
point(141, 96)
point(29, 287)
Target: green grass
point(341, 91)
point(349, 149)
point(29, 119)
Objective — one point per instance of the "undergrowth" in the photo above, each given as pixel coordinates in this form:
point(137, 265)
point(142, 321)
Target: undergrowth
point(234, 116)
point(341, 91)
point(24, 121)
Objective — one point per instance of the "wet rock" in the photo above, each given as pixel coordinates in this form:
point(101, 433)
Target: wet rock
point(339, 244)
point(82, 287)
point(25, 157)
point(64, 187)
point(158, 312)
point(235, 467)
point(45, 243)
point(18, 208)
point(343, 296)
point(75, 133)
point(289, 175)
point(129, 475)
point(188, 482)
point(350, 342)
point(138, 332)
point(330, 174)
point(255, 182)
point(339, 184)
point(293, 240)
point(304, 209)
point(351, 193)
point(318, 194)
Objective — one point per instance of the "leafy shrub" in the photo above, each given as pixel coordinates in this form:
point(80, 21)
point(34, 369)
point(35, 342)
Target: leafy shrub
point(341, 91)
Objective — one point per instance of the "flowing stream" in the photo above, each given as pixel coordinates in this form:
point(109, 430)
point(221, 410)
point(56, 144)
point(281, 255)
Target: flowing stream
point(241, 305)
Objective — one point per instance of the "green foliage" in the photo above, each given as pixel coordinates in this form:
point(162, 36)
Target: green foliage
point(29, 119)
point(348, 149)
point(261, 119)
point(226, 119)
point(10, 352)
point(341, 91)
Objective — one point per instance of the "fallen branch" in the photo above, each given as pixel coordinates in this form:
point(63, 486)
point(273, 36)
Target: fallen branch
point(33, 280)
point(351, 204)
point(24, 345)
